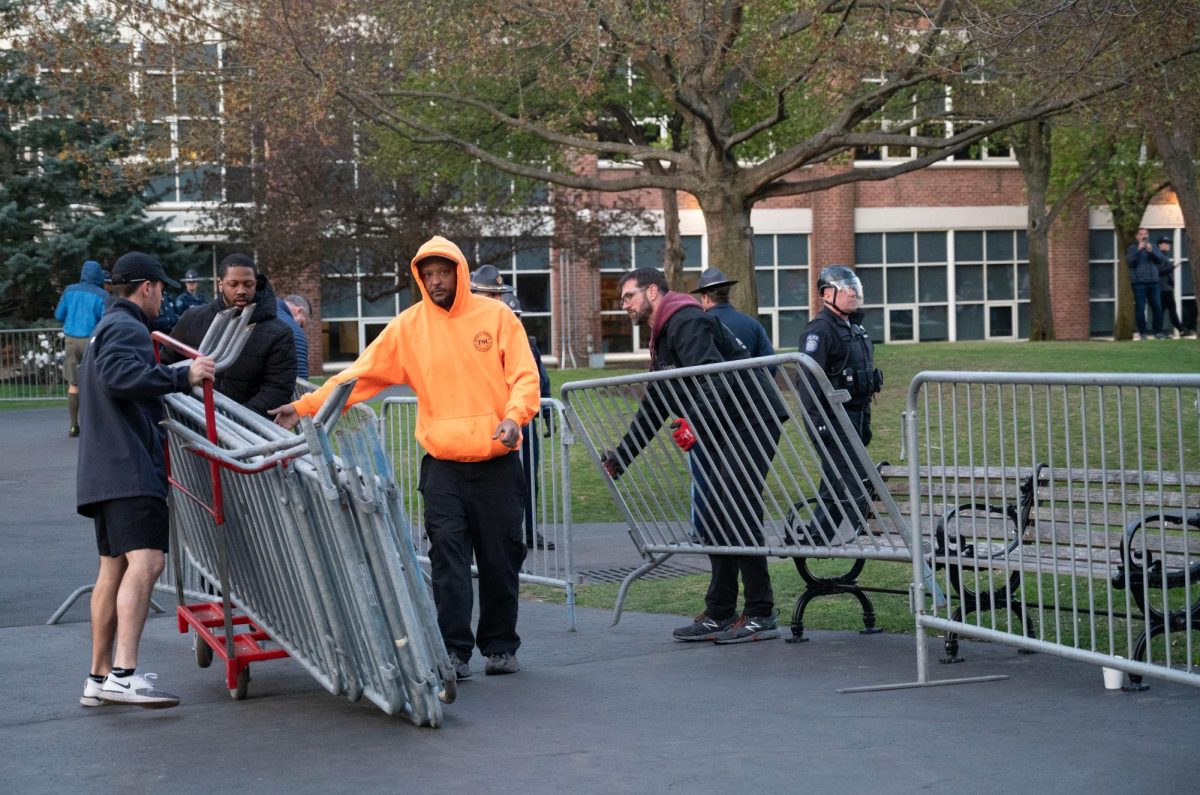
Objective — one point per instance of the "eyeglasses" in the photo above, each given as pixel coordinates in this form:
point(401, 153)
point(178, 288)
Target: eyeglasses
point(627, 297)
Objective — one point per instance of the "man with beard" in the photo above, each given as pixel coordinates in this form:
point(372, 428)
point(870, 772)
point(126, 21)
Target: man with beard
point(731, 455)
point(264, 374)
point(468, 361)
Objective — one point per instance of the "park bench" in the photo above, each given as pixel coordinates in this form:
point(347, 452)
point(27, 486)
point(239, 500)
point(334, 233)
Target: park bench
point(992, 528)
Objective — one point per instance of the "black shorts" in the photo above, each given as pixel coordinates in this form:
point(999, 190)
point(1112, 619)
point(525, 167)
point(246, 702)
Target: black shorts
point(131, 523)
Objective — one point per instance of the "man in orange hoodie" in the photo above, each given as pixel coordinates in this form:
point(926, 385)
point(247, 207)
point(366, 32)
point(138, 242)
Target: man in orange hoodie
point(468, 359)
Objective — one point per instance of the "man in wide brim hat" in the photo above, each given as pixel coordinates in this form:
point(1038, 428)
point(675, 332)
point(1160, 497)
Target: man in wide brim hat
point(712, 279)
point(487, 279)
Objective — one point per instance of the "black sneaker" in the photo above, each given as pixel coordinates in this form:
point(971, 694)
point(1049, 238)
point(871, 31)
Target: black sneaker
point(749, 628)
point(73, 431)
point(499, 664)
point(462, 669)
point(703, 627)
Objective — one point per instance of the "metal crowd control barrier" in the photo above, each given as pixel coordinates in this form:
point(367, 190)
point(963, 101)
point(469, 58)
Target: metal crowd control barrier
point(31, 364)
point(314, 549)
point(777, 468)
point(1097, 558)
point(548, 530)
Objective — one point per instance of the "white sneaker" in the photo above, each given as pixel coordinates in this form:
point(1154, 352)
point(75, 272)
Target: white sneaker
point(138, 689)
point(91, 693)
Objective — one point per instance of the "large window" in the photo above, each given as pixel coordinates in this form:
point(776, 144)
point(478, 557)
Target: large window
point(930, 286)
point(991, 284)
point(935, 104)
point(620, 254)
point(781, 274)
point(904, 277)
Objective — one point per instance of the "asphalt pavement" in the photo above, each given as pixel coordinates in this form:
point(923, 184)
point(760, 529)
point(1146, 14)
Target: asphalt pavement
point(602, 709)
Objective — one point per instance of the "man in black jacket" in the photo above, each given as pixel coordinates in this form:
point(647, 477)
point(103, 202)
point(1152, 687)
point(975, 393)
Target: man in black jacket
point(121, 481)
point(731, 452)
point(264, 375)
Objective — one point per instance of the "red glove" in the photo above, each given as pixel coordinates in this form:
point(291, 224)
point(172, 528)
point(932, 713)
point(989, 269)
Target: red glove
point(683, 435)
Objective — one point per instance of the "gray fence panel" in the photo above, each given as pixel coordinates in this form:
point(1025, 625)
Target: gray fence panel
point(31, 364)
point(315, 550)
point(777, 469)
point(1099, 558)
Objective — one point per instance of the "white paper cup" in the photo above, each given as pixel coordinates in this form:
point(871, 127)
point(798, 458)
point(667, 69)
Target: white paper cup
point(1114, 678)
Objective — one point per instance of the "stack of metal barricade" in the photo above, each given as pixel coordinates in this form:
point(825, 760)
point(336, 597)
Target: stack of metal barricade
point(315, 548)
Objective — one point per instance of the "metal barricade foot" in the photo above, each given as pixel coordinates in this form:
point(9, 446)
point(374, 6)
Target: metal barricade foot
point(650, 565)
point(68, 602)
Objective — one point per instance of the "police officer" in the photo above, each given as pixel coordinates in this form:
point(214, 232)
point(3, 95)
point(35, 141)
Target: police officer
point(486, 280)
point(191, 293)
point(836, 341)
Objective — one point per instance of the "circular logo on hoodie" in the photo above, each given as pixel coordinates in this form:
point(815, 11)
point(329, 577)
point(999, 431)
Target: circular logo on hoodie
point(483, 342)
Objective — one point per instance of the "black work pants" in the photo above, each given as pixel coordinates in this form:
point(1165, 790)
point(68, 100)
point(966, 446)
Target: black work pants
point(475, 507)
point(1169, 310)
point(843, 491)
point(729, 512)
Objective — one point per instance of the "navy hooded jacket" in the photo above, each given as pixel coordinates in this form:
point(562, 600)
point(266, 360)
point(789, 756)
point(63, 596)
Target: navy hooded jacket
point(82, 303)
point(120, 407)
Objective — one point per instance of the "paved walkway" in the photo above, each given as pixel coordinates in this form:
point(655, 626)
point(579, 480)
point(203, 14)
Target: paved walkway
point(602, 709)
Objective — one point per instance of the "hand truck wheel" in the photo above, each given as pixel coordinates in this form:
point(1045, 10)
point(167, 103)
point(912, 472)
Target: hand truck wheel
point(204, 652)
point(243, 685)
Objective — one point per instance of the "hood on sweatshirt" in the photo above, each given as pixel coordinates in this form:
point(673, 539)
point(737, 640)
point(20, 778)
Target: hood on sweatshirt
point(92, 273)
point(438, 246)
point(668, 305)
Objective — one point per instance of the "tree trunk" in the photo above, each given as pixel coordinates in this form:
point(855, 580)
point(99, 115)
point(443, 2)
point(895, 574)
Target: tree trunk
point(673, 250)
point(1176, 143)
point(731, 247)
point(1123, 323)
point(1032, 147)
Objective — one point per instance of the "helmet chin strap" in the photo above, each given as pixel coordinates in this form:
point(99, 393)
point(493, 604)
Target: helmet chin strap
point(833, 304)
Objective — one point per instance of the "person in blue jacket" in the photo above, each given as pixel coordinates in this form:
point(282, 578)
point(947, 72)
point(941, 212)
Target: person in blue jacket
point(121, 477)
point(285, 313)
point(79, 310)
point(713, 292)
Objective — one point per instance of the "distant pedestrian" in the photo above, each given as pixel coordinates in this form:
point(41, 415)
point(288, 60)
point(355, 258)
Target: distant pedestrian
point(1166, 284)
point(121, 479)
point(79, 310)
point(1144, 261)
point(301, 311)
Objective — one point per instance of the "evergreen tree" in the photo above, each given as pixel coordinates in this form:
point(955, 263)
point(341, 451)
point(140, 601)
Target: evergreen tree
point(64, 194)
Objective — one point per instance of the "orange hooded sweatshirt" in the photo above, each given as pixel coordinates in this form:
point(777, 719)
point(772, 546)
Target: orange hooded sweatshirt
point(471, 367)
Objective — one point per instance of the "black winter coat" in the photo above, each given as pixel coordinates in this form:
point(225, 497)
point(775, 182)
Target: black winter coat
point(264, 375)
point(693, 337)
point(120, 407)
